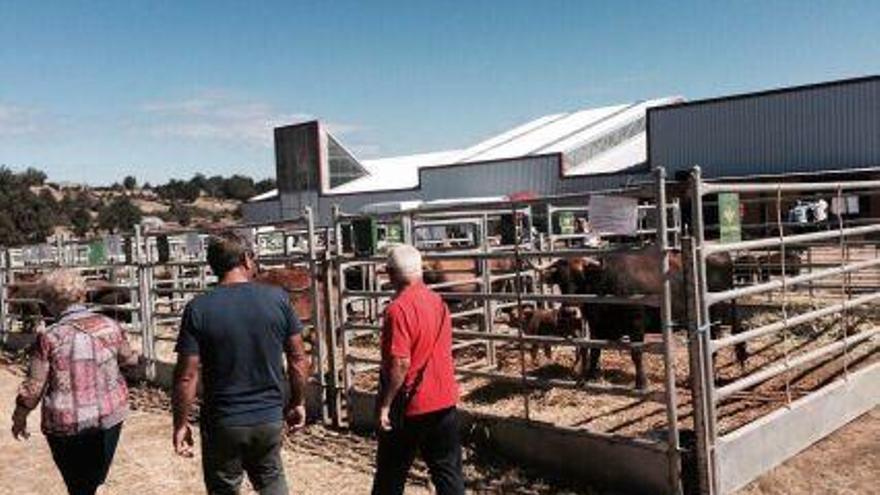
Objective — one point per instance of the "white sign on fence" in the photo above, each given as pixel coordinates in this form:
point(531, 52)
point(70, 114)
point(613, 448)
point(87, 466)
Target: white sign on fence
point(614, 215)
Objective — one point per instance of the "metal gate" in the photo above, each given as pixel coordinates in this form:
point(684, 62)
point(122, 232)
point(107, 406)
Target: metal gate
point(802, 294)
point(486, 299)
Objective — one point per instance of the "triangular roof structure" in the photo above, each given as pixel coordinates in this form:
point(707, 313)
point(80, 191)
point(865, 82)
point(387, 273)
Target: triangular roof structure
point(591, 141)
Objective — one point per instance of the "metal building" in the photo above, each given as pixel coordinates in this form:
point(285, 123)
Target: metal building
point(594, 148)
point(830, 126)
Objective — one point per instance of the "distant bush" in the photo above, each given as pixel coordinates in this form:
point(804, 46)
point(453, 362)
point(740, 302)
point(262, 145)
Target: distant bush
point(237, 187)
point(129, 183)
point(178, 190)
point(240, 188)
point(119, 215)
point(81, 222)
point(25, 217)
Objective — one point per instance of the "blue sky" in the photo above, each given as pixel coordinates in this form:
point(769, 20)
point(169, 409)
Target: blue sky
point(92, 91)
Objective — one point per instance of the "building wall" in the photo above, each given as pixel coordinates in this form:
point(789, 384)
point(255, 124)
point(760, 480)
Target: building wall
point(261, 211)
point(832, 126)
point(537, 174)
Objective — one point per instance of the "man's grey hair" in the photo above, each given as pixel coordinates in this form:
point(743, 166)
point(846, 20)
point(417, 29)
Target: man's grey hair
point(227, 250)
point(405, 260)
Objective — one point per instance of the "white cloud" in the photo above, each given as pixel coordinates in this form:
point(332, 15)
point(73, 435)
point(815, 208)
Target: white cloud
point(16, 120)
point(224, 117)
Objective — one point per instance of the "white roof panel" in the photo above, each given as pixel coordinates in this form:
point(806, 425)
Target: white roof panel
point(264, 196)
point(399, 172)
point(471, 153)
point(628, 154)
point(542, 136)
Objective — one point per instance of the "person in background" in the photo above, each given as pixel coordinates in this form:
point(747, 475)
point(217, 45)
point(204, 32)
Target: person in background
point(418, 392)
point(75, 372)
point(239, 333)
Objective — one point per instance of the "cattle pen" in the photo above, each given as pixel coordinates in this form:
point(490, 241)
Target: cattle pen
point(803, 300)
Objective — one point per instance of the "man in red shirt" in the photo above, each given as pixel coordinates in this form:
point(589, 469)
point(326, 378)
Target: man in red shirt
point(418, 391)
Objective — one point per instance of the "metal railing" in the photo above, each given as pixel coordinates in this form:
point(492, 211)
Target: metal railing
point(706, 393)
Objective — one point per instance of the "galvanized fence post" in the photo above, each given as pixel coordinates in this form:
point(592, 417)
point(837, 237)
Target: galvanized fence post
point(672, 438)
point(517, 229)
point(318, 323)
point(702, 335)
point(342, 310)
point(332, 325)
point(4, 308)
point(696, 352)
point(146, 291)
point(488, 305)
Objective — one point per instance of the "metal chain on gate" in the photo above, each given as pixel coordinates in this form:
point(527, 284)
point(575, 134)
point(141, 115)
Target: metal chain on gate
point(786, 330)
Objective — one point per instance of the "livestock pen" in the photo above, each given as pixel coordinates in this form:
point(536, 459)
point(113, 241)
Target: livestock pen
point(512, 397)
point(148, 277)
point(804, 298)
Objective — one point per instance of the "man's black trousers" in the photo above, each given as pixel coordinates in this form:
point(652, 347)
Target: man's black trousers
point(435, 436)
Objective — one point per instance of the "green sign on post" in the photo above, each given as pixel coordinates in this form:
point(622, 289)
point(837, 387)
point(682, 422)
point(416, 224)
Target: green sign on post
point(566, 223)
point(97, 253)
point(729, 217)
point(394, 233)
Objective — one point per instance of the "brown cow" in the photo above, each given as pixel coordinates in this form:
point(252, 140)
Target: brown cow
point(27, 308)
point(462, 269)
point(33, 312)
point(563, 322)
point(296, 282)
point(635, 273)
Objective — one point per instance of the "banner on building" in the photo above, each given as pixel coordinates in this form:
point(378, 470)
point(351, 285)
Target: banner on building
point(614, 215)
point(194, 244)
point(113, 246)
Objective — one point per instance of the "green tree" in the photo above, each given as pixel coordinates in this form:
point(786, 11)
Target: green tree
point(181, 214)
point(178, 190)
point(119, 215)
point(81, 221)
point(265, 185)
point(200, 182)
point(33, 177)
point(240, 188)
point(129, 182)
point(214, 186)
point(25, 217)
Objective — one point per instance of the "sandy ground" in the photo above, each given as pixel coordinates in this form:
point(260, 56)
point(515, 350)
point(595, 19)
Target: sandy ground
point(845, 463)
point(326, 462)
point(145, 464)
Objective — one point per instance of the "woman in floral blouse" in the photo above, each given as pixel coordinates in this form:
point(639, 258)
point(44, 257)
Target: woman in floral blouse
point(75, 372)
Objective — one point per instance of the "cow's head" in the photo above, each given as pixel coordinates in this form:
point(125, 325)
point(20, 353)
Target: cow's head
point(570, 321)
point(572, 276)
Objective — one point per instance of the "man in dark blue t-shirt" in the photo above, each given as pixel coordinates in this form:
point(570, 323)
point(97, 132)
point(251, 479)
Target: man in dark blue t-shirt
point(237, 334)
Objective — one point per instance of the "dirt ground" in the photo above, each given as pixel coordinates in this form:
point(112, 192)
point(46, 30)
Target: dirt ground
point(321, 461)
point(145, 464)
point(845, 463)
point(317, 461)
